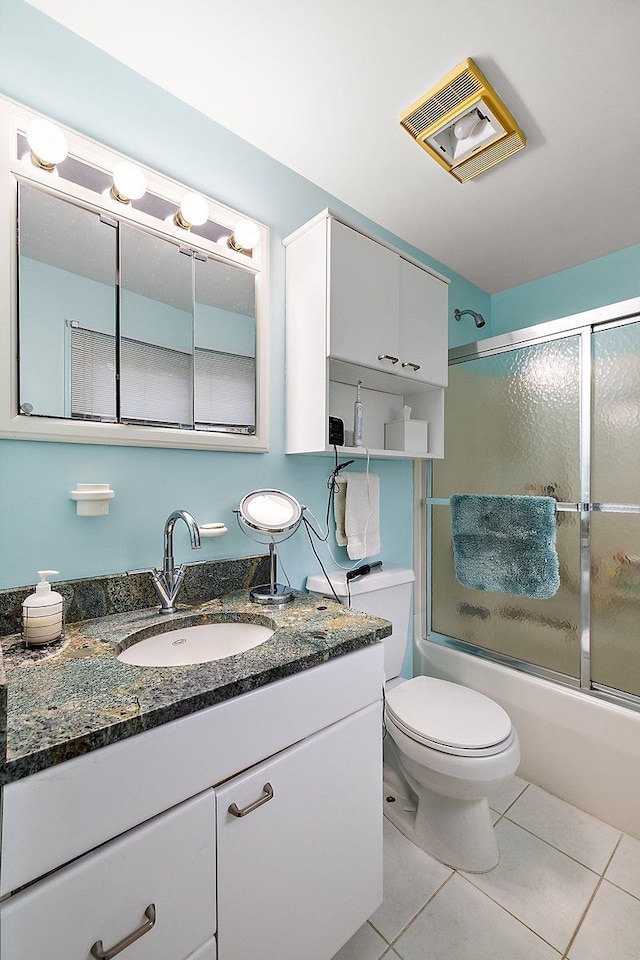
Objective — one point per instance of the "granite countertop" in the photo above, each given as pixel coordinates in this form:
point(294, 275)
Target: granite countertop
point(75, 696)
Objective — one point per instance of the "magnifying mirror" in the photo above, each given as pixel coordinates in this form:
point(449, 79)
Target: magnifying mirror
point(271, 513)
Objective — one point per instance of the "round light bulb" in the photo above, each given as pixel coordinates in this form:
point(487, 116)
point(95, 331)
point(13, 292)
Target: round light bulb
point(466, 125)
point(246, 235)
point(129, 182)
point(194, 210)
point(47, 143)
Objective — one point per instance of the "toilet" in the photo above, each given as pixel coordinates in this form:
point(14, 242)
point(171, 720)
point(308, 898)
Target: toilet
point(447, 748)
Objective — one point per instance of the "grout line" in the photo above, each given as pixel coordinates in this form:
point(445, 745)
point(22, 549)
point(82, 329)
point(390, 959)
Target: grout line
point(416, 915)
point(597, 873)
point(582, 918)
point(507, 911)
point(508, 807)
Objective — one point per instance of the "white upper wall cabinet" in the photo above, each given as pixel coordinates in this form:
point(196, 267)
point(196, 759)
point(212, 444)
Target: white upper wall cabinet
point(364, 292)
point(385, 312)
point(359, 310)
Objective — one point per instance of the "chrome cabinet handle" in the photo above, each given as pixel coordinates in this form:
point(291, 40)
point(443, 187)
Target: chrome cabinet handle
point(98, 951)
point(235, 811)
point(414, 366)
point(387, 356)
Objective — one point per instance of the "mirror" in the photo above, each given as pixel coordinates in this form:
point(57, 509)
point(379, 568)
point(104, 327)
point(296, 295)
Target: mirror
point(172, 344)
point(66, 280)
point(125, 322)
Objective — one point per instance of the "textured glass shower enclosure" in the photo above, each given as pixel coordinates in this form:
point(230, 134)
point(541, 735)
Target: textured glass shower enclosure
point(550, 411)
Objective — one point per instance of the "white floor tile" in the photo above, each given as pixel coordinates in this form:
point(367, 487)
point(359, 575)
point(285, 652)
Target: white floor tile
point(365, 944)
point(581, 836)
point(624, 869)
point(611, 928)
point(504, 798)
point(540, 886)
point(411, 876)
point(461, 923)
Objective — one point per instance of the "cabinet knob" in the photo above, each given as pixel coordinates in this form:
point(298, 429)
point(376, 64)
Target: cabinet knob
point(98, 951)
point(387, 356)
point(414, 366)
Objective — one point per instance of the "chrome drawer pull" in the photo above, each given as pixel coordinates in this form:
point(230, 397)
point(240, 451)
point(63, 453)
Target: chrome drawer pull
point(98, 951)
point(235, 811)
point(387, 356)
point(414, 366)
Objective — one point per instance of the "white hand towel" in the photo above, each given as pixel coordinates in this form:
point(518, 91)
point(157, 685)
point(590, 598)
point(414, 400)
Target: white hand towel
point(360, 494)
point(339, 505)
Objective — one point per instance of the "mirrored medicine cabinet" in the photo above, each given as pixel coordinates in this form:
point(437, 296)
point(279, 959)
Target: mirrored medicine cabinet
point(128, 321)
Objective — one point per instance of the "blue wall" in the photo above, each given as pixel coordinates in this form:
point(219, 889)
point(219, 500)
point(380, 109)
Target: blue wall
point(589, 285)
point(52, 70)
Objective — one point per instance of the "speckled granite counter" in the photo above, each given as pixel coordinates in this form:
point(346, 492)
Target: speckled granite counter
point(65, 702)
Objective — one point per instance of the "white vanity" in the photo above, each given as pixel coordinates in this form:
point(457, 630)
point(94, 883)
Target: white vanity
point(252, 828)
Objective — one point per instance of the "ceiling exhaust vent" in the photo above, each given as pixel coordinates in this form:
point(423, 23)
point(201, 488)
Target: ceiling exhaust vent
point(463, 123)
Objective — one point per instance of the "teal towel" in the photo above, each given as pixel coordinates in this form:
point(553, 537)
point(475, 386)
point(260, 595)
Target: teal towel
point(505, 544)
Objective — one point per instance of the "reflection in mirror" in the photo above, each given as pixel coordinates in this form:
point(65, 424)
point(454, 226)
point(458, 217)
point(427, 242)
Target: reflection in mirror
point(156, 331)
point(225, 347)
point(66, 308)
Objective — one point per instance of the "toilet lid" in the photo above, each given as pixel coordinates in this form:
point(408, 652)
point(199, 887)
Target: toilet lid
point(447, 714)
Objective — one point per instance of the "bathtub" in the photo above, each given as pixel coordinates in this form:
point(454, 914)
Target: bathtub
point(579, 748)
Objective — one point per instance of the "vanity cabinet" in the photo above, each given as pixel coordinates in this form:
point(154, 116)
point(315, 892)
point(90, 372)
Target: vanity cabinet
point(304, 851)
point(89, 844)
point(358, 309)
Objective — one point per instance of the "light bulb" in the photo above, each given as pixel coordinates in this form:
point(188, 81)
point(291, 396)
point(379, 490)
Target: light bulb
point(194, 211)
point(47, 143)
point(129, 182)
point(246, 235)
point(466, 125)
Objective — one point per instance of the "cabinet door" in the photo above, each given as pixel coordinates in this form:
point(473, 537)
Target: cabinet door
point(363, 299)
point(301, 872)
point(423, 325)
point(106, 895)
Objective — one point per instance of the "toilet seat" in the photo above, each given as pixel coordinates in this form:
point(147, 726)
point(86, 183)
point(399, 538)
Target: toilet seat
point(450, 718)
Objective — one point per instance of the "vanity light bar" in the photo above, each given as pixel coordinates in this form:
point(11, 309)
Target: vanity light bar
point(47, 147)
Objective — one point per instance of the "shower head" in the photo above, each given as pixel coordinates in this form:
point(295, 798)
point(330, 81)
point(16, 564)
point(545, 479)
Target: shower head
point(479, 319)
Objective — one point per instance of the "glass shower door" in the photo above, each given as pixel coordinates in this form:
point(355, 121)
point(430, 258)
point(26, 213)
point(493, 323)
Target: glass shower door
point(615, 517)
point(513, 427)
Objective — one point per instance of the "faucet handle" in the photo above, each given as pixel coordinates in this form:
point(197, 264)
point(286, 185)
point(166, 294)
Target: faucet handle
point(132, 573)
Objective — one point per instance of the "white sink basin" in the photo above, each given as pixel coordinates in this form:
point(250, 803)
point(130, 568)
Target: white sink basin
point(199, 644)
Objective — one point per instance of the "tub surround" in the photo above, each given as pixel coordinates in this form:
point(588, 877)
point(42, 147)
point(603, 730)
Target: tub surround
point(75, 696)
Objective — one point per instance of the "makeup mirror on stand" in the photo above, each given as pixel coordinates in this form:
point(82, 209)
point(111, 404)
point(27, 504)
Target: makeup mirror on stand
point(270, 513)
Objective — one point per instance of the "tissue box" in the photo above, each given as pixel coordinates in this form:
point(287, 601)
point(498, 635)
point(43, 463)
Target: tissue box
point(407, 435)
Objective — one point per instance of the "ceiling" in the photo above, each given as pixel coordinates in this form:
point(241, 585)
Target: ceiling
point(320, 87)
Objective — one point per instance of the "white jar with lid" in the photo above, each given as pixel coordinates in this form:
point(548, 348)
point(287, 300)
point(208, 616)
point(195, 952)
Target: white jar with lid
point(42, 612)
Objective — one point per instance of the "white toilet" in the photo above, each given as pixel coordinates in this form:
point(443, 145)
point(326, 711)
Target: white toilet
point(446, 749)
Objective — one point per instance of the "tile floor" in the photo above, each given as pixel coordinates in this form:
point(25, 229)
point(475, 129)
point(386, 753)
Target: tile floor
point(567, 886)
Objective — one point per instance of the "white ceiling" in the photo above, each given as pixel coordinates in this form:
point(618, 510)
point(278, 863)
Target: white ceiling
point(319, 86)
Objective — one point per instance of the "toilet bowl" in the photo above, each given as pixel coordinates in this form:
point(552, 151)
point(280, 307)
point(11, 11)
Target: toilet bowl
point(447, 748)
point(452, 748)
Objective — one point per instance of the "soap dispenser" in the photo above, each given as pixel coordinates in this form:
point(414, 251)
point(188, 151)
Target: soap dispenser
point(42, 612)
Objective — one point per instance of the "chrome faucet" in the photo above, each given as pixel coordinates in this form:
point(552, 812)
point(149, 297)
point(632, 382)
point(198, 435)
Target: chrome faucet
point(167, 582)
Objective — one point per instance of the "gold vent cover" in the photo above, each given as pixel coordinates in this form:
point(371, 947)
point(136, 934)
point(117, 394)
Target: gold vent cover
point(463, 93)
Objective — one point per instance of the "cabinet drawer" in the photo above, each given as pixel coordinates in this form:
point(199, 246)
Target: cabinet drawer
point(168, 862)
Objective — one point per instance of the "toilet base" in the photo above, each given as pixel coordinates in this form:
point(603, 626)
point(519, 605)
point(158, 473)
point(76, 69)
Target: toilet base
point(457, 833)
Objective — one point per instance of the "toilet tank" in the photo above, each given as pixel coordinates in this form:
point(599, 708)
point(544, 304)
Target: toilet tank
point(384, 593)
